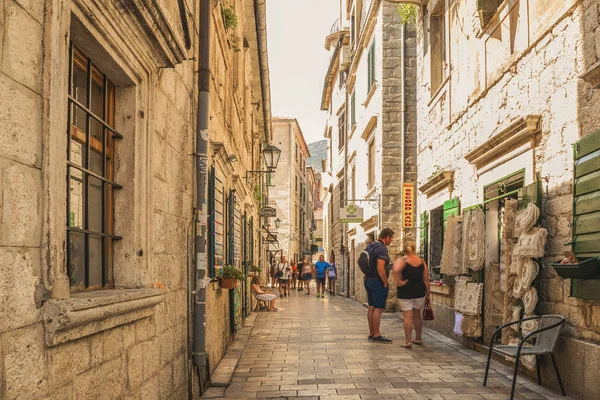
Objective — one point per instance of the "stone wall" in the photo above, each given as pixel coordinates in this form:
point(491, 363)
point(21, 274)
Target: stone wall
point(130, 341)
point(494, 80)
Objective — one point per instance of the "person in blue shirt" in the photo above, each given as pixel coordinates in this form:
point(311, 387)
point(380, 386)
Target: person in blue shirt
point(321, 272)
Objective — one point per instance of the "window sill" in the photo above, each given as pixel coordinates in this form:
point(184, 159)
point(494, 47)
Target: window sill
point(87, 313)
point(439, 92)
point(370, 94)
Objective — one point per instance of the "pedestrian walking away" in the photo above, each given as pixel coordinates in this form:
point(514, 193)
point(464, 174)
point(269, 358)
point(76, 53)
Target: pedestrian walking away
point(307, 272)
point(321, 271)
point(412, 277)
point(299, 268)
point(283, 274)
point(376, 283)
point(331, 275)
point(294, 275)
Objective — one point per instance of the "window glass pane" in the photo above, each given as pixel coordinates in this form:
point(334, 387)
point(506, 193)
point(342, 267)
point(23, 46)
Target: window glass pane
point(97, 105)
point(95, 265)
point(95, 204)
point(79, 84)
point(108, 206)
point(108, 260)
point(95, 134)
point(95, 162)
point(76, 199)
point(78, 149)
point(76, 267)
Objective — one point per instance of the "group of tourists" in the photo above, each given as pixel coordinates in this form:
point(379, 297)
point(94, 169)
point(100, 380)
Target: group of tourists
point(286, 275)
point(409, 272)
point(411, 275)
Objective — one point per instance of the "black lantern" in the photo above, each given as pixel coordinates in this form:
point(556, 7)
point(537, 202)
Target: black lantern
point(277, 223)
point(271, 155)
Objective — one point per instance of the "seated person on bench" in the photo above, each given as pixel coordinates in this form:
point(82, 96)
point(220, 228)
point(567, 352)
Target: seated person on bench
point(262, 295)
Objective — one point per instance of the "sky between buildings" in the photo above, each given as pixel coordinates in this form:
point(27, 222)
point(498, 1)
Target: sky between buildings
point(298, 60)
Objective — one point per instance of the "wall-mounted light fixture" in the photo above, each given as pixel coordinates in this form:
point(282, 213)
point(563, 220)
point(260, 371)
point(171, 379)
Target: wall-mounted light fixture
point(232, 158)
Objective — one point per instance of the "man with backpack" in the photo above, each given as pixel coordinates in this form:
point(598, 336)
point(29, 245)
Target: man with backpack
point(374, 262)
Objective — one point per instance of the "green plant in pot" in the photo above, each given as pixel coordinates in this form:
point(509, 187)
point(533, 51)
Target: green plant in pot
point(231, 276)
point(256, 270)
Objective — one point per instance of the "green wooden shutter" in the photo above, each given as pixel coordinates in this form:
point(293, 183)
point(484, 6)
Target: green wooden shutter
point(211, 223)
point(586, 210)
point(451, 207)
point(586, 197)
point(423, 235)
point(531, 193)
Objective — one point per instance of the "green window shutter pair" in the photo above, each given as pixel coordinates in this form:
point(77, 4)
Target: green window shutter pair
point(211, 223)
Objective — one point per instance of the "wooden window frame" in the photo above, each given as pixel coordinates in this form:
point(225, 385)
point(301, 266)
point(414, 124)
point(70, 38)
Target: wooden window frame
point(82, 172)
point(371, 160)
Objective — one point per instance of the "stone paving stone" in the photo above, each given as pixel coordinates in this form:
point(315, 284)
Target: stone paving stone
point(317, 349)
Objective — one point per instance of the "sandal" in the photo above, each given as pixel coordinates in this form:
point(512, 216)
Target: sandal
point(418, 342)
point(406, 345)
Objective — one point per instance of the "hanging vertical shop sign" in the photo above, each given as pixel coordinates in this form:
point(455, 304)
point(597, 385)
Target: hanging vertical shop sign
point(408, 205)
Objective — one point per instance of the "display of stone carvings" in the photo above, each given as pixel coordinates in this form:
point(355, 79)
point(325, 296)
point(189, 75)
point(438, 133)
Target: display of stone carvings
point(471, 326)
point(531, 243)
point(526, 219)
point(467, 303)
point(530, 299)
point(508, 234)
point(473, 240)
point(451, 253)
point(529, 269)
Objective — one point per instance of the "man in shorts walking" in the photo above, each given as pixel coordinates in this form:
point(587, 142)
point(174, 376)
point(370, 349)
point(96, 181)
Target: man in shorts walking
point(320, 272)
point(376, 283)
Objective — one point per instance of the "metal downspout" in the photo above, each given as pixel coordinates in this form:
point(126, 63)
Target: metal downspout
point(199, 354)
point(403, 94)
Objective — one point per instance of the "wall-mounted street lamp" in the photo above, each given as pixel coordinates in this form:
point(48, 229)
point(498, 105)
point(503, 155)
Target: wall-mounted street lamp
point(277, 223)
point(271, 155)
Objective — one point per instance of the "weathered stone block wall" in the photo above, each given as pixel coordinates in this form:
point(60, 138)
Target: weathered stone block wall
point(538, 79)
point(120, 351)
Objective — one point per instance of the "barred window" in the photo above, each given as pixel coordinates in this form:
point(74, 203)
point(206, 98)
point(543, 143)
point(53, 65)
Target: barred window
point(90, 180)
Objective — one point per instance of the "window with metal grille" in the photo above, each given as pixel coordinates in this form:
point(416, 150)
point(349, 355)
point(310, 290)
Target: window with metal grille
point(90, 175)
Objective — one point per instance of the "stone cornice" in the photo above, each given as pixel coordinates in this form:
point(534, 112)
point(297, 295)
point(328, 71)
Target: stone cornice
point(370, 223)
point(437, 183)
point(154, 23)
point(521, 131)
point(88, 313)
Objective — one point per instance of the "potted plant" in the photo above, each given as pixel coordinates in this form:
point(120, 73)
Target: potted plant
point(231, 276)
point(571, 268)
point(256, 270)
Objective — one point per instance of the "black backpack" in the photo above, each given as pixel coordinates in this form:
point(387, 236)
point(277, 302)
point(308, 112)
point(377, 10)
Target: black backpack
point(365, 261)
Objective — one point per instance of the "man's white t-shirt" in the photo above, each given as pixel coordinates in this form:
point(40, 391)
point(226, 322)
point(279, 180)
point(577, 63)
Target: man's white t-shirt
point(286, 269)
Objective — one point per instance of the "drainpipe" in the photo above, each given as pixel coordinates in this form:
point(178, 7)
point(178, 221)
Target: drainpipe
point(199, 355)
point(403, 94)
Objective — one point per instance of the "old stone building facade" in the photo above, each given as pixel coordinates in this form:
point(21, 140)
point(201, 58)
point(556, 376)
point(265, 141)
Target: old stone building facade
point(291, 190)
point(506, 89)
point(98, 114)
point(370, 97)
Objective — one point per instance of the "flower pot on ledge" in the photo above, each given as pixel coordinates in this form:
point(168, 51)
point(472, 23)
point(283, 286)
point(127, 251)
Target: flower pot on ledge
point(229, 283)
point(586, 269)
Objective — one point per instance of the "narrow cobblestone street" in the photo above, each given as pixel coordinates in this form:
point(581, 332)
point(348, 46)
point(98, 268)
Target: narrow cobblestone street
point(316, 348)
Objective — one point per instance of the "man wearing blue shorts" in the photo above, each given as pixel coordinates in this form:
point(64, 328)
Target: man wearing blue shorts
point(320, 271)
point(376, 283)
